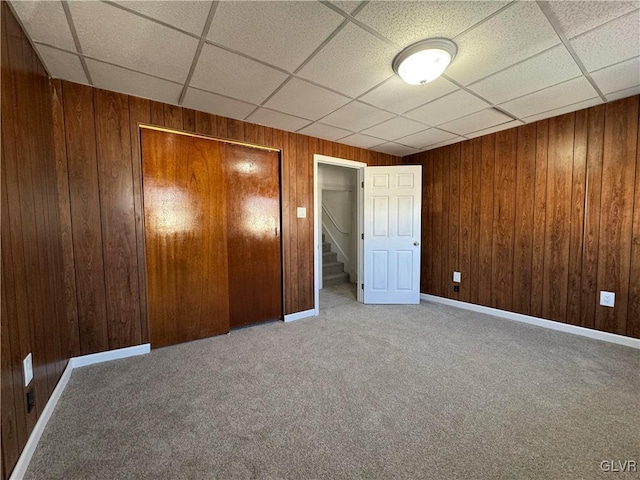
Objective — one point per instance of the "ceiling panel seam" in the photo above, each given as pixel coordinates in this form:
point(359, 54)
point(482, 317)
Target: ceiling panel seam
point(151, 19)
point(76, 40)
point(196, 56)
point(544, 6)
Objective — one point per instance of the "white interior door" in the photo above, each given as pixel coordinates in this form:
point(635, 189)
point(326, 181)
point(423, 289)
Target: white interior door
point(392, 220)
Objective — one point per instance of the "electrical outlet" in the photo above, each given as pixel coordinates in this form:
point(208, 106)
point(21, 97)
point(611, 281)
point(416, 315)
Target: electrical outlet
point(456, 288)
point(27, 369)
point(301, 212)
point(607, 299)
point(456, 277)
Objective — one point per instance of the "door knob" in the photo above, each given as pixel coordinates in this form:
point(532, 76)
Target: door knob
point(416, 243)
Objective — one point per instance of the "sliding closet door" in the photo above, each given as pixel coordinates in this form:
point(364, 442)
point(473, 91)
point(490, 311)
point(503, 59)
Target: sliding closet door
point(253, 234)
point(186, 247)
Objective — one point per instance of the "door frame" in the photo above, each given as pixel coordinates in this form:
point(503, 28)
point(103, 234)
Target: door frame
point(317, 222)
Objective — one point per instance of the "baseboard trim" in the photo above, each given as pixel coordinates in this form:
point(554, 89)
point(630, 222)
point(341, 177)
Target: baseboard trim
point(20, 469)
point(539, 322)
point(299, 315)
point(101, 357)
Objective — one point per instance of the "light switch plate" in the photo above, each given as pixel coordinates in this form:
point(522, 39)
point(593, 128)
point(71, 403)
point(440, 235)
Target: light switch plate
point(27, 368)
point(456, 277)
point(607, 299)
point(302, 212)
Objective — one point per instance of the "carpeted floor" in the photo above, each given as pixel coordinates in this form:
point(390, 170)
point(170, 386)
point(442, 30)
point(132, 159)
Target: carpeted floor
point(402, 392)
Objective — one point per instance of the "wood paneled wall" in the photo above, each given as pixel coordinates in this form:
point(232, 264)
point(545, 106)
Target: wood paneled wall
point(33, 317)
point(99, 179)
point(540, 218)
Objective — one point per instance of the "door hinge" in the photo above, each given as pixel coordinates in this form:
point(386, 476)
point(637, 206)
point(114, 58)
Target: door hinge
point(362, 235)
point(362, 185)
point(362, 286)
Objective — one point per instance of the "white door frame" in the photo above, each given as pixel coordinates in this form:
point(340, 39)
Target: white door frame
point(317, 222)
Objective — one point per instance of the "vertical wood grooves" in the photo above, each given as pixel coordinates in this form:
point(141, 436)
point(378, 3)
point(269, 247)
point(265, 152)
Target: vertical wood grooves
point(544, 217)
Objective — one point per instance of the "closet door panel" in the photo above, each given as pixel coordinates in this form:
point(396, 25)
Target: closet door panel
point(253, 234)
point(185, 224)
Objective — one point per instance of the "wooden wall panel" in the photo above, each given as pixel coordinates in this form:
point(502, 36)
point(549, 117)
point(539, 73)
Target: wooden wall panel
point(485, 274)
point(84, 194)
point(547, 215)
point(503, 219)
point(618, 183)
point(576, 233)
point(34, 311)
point(139, 112)
point(593, 187)
point(524, 216)
point(633, 313)
point(556, 255)
point(118, 217)
point(539, 217)
point(453, 239)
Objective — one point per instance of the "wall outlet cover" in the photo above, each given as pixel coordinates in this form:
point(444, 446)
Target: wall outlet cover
point(607, 299)
point(27, 369)
point(302, 212)
point(456, 277)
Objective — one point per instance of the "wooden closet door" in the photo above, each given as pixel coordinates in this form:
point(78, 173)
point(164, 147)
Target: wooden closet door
point(253, 234)
point(186, 248)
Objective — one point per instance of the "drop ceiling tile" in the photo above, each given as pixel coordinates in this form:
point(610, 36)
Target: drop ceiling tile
point(122, 80)
point(455, 105)
point(61, 64)
point(306, 100)
point(280, 33)
point(346, 5)
point(618, 77)
point(544, 70)
point(226, 73)
point(362, 141)
point(577, 17)
point(628, 92)
point(398, 97)
point(516, 33)
point(282, 121)
point(356, 116)
point(216, 104)
point(497, 128)
point(426, 138)
point(476, 121)
point(611, 43)
point(131, 41)
point(395, 128)
point(395, 149)
point(45, 22)
point(186, 15)
point(567, 93)
point(352, 62)
point(407, 22)
point(562, 110)
point(451, 141)
point(327, 132)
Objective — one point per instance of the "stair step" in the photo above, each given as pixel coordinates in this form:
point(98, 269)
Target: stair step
point(331, 268)
point(329, 257)
point(335, 279)
point(326, 247)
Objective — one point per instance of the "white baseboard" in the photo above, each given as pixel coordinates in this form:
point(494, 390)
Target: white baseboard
point(101, 357)
point(20, 469)
point(540, 322)
point(299, 315)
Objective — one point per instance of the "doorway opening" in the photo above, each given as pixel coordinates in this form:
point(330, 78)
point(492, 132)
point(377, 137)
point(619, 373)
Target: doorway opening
point(338, 227)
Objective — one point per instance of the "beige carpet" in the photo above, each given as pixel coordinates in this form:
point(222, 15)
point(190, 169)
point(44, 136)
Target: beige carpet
point(409, 392)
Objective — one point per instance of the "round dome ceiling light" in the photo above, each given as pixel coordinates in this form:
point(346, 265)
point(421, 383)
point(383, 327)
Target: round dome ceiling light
point(425, 60)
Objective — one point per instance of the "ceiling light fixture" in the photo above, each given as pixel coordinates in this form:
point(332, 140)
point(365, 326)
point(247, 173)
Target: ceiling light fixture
point(425, 60)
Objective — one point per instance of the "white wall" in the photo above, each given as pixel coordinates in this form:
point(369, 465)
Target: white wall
point(338, 189)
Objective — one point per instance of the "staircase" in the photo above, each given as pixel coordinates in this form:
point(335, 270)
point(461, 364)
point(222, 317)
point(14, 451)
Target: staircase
point(332, 270)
